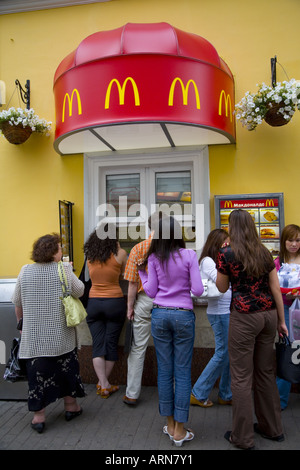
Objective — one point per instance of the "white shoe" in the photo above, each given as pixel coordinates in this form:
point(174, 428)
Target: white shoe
point(165, 431)
point(188, 437)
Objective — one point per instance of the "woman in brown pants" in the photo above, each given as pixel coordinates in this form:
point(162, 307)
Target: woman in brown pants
point(256, 312)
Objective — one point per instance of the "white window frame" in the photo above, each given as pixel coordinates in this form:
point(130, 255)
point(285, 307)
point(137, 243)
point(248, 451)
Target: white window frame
point(147, 164)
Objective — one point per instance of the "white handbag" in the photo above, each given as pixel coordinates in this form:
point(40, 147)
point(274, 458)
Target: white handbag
point(210, 290)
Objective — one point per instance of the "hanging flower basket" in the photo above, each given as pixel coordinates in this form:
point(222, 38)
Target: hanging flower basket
point(17, 124)
point(274, 117)
point(274, 105)
point(15, 134)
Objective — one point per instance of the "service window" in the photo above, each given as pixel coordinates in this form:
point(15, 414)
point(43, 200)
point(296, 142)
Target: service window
point(127, 191)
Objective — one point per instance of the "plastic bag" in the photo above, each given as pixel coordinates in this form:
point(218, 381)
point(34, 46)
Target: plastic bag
point(15, 370)
point(288, 360)
point(289, 275)
point(294, 320)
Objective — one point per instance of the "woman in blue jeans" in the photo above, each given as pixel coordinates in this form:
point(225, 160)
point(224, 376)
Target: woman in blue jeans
point(289, 253)
point(218, 312)
point(173, 273)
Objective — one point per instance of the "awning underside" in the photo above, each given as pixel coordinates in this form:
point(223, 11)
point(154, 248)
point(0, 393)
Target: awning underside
point(138, 136)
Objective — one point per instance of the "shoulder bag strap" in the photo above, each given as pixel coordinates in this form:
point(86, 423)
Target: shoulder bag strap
point(62, 277)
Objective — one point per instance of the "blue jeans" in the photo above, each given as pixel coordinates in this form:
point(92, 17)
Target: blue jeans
point(283, 386)
point(173, 333)
point(218, 366)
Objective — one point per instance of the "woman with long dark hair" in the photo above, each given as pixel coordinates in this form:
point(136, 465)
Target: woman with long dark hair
point(218, 314)
point(173, 273)
point(256, 313)
point(106, 306)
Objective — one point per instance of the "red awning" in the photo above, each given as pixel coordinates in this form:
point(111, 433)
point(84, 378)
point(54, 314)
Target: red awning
point(142, 86)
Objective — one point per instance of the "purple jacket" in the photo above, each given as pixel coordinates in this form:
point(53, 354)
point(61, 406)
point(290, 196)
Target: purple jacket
point(171, 285)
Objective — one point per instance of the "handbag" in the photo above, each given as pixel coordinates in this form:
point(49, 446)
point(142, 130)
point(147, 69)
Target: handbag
point(288, 360)
point(15, 370)
point(87, 285)
point(294, 320)
point(74, 310)
point(128, 336)
point(210, 289)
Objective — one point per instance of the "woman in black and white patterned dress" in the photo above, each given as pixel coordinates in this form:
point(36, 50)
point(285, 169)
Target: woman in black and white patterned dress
point(47, 344)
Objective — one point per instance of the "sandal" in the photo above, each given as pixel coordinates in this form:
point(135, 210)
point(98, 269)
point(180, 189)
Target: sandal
point(106, 392)
point(165, 431)
point(188, 437)
point(98, 389)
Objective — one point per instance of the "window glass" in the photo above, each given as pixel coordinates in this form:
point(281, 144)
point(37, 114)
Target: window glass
point(174, 189)
point(122, 191)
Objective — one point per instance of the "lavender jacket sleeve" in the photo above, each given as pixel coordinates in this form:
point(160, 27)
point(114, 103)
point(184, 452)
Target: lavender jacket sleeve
point(149, 280)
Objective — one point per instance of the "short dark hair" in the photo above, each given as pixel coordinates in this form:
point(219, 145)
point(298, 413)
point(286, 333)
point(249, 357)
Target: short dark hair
point(45, 247)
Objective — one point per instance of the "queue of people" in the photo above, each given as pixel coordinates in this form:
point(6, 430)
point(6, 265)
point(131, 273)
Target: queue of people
point(162, 273)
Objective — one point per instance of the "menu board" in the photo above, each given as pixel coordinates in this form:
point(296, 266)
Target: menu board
point(267, 211)
point(66, 229)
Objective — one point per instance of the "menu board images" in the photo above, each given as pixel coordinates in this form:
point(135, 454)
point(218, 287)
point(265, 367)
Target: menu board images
point(66, 229)
point(265, 209)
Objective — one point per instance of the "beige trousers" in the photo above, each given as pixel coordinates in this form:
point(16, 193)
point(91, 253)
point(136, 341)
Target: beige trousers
point(141, 335)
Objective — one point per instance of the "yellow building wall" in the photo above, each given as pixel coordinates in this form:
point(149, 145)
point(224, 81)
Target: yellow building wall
point(33, 177)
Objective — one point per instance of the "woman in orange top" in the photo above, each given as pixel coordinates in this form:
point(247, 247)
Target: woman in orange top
point(106, 306)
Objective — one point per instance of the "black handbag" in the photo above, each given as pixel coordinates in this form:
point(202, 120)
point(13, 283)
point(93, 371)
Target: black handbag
point(87, 285)
point(15, 370)
point(128, 336)
point(288, 360)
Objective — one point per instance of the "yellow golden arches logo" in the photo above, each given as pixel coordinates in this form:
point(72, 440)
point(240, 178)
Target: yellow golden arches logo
point(121, 90)
point(269, 202)
point(185, 91)
point(228, 204)
point(70, 103)
point(227, 101)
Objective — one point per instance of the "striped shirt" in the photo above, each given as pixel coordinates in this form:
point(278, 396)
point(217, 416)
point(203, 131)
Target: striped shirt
point(38, 291)
point(137, 255)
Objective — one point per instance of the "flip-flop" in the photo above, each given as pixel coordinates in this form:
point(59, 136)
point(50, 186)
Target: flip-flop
point(188, 437)
point(165, 431)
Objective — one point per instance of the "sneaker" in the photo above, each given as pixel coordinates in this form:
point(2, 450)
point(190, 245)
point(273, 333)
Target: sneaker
point(204, 403)
point(129, 401)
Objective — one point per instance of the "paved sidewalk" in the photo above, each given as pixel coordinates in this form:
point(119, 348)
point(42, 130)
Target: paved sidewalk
point(111, 425)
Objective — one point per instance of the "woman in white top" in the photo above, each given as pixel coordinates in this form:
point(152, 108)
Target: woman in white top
point(218, 311)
